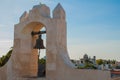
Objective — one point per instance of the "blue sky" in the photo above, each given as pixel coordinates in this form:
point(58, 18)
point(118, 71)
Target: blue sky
point(93, 26)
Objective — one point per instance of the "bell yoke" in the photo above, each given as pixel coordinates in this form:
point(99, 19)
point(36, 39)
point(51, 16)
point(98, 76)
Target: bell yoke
point(39, 42)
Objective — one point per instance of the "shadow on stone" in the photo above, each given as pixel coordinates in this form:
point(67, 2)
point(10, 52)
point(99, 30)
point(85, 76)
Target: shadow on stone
point(41, 70)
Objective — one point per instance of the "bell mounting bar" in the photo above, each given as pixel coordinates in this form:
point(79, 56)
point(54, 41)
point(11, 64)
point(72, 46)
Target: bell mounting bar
point(36, 33)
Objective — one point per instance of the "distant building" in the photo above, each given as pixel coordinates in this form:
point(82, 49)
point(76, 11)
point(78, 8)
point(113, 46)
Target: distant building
point(88, 59)
point(117, 63)
point(82, 61)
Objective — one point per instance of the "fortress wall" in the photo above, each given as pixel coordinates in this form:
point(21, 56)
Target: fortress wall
point(116, 78)
point(65, 72)
point(3, 73)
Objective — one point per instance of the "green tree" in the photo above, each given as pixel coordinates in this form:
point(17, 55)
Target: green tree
point(42, 61)
point(0, 62)
point(113, 61)
point(99, 61)
point(117, 67)
point(90, 66)
point(5, 58)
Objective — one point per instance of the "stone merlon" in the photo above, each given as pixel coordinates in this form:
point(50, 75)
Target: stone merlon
point(43, 10)
point(59, 12)
point(24, 16)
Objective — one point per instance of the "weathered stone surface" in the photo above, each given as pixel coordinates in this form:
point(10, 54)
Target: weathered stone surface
point(23, 62)
point(59, 12)
point(118, 78)
point(24, 16)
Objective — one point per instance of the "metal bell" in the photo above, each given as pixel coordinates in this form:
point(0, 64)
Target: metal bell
point(39, 43)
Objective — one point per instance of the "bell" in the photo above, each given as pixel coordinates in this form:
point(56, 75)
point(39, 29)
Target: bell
point(39, 43)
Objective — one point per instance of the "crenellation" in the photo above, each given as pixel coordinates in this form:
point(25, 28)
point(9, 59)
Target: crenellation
point(58, 12)
point(24, 16)
point(42, 10)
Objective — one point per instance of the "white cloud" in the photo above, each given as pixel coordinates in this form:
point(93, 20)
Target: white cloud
point(5, 46)
point(6, 32)
point(2, 25)
point(105, 50)
point(4, 41)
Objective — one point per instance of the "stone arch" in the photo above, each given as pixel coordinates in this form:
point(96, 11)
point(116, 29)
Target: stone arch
point(27, 42)
point(32, 26)
point(56, 51)
point(24, 42)
point(35, 27)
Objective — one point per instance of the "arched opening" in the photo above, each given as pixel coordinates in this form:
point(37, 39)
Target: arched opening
point(39, 43)
point(42, 56)
point(38, 34)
